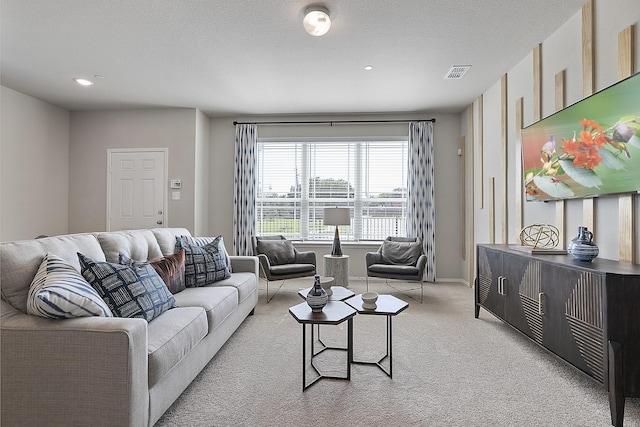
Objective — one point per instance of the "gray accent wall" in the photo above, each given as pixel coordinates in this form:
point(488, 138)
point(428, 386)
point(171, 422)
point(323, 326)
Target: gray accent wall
point(34, 172)
point(561, 51)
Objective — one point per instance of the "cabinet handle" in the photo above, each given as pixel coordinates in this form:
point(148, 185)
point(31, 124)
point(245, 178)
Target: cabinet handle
point(540, 311)
point(501, 280)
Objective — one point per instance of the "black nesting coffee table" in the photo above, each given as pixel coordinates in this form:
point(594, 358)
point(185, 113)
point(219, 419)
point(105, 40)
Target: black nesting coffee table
point(334, 313)
point(386, 305)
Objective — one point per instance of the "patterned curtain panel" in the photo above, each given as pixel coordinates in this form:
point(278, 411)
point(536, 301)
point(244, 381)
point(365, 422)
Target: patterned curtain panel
point(421, 213)
point(244, 188)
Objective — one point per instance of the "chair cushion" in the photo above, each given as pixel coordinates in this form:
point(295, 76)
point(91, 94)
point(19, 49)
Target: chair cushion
point(395, 270)
point(402, 253)
point(279, 252)
point(280, 270)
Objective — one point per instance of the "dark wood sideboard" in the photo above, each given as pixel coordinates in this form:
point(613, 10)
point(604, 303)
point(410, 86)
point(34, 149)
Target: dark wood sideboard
point(586, 313)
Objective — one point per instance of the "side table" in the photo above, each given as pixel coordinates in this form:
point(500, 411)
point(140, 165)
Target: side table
point(386, 305)
point(334, 313)
point(338, 268)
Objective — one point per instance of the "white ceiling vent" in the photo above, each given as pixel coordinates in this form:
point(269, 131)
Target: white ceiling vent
point(456, 72)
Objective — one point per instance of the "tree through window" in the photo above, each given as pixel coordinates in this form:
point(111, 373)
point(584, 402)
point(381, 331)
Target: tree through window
point(297, 180)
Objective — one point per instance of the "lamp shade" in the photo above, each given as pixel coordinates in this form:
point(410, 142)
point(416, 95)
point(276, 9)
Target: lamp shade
point(316, 21)
point(337, 216)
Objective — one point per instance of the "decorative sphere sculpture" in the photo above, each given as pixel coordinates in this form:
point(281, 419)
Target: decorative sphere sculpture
point(539, 236)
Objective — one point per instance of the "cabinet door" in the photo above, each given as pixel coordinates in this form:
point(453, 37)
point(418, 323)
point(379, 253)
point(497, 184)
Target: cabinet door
point(572, 303)
point(521, 289)
point(489, 275)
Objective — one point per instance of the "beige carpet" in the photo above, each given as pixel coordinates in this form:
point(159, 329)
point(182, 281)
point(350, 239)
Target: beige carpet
point(450, 369)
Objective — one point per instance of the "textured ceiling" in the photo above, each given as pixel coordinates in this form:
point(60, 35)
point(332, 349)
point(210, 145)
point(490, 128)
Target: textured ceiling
point(244, 57)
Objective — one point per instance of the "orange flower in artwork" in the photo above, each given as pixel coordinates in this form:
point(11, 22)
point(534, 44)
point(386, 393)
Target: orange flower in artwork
point(585, 150)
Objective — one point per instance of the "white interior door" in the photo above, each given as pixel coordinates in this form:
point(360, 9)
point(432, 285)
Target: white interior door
point(136, 194)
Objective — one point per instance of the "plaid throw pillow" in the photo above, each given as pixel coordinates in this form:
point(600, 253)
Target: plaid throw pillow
point(128, 291)
point(203, 265)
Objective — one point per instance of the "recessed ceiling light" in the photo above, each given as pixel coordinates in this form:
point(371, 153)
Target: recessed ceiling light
point(83, 82)
point(368, 67)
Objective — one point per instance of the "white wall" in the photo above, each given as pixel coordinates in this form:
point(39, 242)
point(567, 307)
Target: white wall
point(561, 51)
point(34, 173)
point(447, 179)
point(93, 132)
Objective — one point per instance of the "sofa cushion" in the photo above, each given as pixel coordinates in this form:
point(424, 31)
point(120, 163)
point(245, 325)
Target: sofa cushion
point(166, 238)
point(170, 268)
point(59, 291)
point(19, 261)
point(140, 245)
point(279, 252)
point(202, 241)
point(128, 291)
point(218, 302)
point(203, 265)
point(403, 253)
point(171, 336)
point(245, 284)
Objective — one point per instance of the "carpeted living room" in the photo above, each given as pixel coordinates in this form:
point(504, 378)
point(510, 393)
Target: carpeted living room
point(506, 380)
point(300, 213)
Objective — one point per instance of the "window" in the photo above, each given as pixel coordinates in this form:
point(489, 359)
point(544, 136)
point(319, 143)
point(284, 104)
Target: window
point(298, 179)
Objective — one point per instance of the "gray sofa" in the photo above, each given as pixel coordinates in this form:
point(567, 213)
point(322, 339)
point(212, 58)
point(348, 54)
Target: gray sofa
point(109, 371)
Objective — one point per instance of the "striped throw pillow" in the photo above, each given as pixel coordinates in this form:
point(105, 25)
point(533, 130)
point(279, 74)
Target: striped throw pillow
point(59, 291)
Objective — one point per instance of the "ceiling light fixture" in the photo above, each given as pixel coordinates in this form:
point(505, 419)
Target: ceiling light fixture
point(316, 20)
point(83, 82)
point(368, 67)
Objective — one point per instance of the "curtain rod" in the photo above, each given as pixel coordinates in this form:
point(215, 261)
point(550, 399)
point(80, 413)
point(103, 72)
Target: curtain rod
point(331, 122)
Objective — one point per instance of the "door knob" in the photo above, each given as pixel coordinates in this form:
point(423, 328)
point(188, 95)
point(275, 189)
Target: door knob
point(159, 222)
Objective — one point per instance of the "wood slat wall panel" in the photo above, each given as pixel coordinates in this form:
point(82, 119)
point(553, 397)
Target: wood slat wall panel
point(626, 202)
point(560, 204)
point(587, 89)
point(480, 138)
point(505, 158)
point(519, 178)
point(472, 239)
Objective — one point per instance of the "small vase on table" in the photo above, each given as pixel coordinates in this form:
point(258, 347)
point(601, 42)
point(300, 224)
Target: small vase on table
point(317, 298)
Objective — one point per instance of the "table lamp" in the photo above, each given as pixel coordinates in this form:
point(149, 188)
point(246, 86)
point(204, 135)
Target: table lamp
point(336, 216)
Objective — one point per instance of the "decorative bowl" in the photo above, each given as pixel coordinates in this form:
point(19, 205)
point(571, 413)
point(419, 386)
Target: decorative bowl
point(369, 298)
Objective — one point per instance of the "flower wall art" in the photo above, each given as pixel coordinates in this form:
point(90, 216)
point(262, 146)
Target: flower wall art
point(588, 149)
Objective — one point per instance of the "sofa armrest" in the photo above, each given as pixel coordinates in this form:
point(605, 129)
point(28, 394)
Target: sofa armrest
point(73, 372)
point(372, 258)
point(244, 264)
point(305, 257)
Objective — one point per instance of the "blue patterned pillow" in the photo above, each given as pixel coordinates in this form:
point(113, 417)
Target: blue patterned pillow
point(59, 291)
point(202, 241)
point(203, 265)
point(128, 291)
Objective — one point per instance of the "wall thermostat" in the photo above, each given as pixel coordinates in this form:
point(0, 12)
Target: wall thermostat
point(176, 183)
